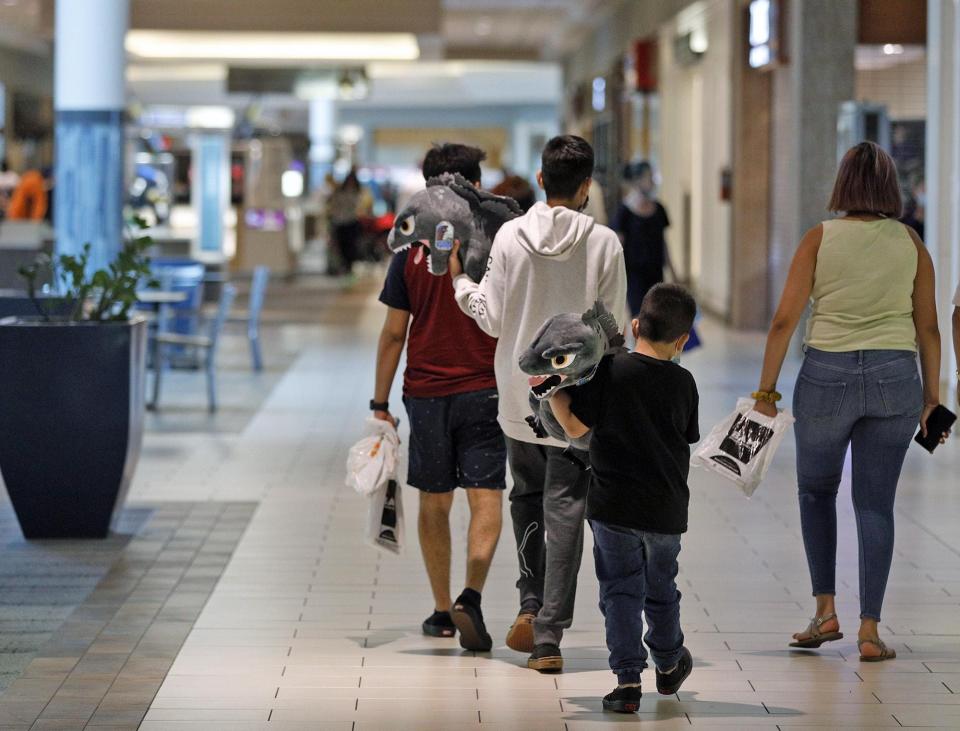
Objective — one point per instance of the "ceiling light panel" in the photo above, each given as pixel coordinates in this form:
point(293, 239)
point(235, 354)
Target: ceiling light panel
point(146, 44)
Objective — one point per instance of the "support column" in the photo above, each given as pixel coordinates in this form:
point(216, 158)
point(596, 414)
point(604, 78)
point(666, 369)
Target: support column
point(323, 131)
point(211, 189)
point(942, 221)
point(89, 63)
point(750, 279)
point(807, 92)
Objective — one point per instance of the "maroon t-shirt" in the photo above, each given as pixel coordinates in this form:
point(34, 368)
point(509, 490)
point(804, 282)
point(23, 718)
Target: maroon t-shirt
point(447, 352)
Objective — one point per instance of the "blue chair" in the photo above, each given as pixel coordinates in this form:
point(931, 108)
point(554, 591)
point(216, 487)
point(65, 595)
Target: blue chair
point(181, 275)
point(251, 318)
point(206, 343)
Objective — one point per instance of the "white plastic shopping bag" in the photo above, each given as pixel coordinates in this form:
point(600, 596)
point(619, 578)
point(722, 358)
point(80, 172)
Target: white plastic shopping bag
point(385, 517)
point(375, 459)
point(742, 446)
point(373, 465)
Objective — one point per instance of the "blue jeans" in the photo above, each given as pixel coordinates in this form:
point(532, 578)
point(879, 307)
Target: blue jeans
point(869, 401)
point(637, 572)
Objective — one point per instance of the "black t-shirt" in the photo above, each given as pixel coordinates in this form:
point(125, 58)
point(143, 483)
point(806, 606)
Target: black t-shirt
point(644, 245)
point(643, 413)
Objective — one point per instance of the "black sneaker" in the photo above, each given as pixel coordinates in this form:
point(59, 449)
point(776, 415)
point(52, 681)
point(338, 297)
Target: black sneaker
point(439, 624)
point(669, 683)
point(623, 700)
point(468, 618)
point(546, 658)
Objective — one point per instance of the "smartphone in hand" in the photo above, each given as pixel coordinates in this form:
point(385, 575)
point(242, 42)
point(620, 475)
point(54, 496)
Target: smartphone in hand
point(939, 422)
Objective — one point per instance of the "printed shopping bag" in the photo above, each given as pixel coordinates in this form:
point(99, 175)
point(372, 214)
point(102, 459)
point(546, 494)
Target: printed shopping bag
point(741, 447)
point(385, 518)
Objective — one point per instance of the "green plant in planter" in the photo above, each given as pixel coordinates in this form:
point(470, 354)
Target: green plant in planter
point(110, 292)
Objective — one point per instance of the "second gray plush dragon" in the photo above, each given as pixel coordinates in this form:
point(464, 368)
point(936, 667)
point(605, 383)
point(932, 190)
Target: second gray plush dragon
point(475, 216)
point(566, 352)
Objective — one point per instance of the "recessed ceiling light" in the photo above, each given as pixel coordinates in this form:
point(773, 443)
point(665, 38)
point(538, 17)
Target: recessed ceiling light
point(892, 49)
point(272, 46)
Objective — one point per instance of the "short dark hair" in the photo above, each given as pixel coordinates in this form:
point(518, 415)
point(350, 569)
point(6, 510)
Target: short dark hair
point(566, 162)
point(667, 312)
point(867, 182)
point(636, 170)
point(513, 186)
point(452, 157)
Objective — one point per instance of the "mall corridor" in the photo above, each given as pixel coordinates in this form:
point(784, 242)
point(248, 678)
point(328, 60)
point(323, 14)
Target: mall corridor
point(234, 231)
point(308, 628)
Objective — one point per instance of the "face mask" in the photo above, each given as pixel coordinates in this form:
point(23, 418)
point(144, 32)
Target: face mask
point(676, 356)
point(921, 199)
point(583, 206)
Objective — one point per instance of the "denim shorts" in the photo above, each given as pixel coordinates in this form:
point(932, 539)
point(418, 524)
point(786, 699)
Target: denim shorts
point(456, 441)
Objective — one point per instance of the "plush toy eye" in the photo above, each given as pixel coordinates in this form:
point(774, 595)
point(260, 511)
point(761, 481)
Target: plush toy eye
point(563, 360)
point(407, 226)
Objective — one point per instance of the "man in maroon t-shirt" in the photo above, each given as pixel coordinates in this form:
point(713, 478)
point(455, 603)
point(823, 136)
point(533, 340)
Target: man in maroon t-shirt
point(450, 393)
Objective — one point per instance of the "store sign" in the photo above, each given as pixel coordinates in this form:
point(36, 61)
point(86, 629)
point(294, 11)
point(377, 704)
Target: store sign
point(764, 33)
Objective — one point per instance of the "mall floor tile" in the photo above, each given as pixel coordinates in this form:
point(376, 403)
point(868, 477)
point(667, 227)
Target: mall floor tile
point(286, 619)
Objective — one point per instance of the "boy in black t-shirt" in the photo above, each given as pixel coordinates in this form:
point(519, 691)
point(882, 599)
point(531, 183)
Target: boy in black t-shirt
point(643, 412)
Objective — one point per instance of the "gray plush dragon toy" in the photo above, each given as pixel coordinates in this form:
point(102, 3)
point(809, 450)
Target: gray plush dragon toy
point(457, 209)
point(566, 352)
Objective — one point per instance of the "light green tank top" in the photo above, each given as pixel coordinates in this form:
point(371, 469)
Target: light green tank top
point(862, 295)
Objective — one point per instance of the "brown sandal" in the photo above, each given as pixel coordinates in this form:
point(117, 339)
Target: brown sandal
point(817, 637)
point(886, 653)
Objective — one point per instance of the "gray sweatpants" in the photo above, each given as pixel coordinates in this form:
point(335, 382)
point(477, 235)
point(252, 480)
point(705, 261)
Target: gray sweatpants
point(547, 504)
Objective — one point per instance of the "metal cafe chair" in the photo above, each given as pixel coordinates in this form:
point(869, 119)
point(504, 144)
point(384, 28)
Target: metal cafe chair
point(206, 343)
point(251, 318)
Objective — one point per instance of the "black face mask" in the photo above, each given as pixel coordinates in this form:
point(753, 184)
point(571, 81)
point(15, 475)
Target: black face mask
point(583, 206)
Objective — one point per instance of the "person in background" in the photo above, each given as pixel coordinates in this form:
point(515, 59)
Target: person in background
point(450, 392)
point(29, 199)
point(871, 284)
point(8, 181)
point(916, 208)
point(348, 202)
point(513, 186)
point(596, 207)
point(641, 222)
point(643, 410)
point(552, 259)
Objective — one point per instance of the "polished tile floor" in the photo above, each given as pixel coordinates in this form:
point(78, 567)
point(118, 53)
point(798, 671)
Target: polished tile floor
point(308, 628)
point(311, 629)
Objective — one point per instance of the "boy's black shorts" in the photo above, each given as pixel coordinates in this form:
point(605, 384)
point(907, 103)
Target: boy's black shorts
point(456, 441)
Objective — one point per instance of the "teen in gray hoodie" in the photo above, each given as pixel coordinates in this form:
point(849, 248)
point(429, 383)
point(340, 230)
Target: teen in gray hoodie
point(553, 259)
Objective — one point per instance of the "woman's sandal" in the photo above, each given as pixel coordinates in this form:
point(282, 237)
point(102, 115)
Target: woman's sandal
point(817, 637)
point(885, 652)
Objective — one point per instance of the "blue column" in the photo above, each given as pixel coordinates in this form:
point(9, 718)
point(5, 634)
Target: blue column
point(89, 98)
point(211, 188)
point(89, 183)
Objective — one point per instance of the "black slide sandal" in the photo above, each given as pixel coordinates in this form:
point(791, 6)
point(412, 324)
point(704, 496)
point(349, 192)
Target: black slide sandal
point(439, 624)
point(473, 631)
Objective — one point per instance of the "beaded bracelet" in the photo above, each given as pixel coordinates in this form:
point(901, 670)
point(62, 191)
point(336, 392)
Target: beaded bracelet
point(770, 397)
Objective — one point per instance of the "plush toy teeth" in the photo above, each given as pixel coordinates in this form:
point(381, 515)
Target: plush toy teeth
point(546, 386)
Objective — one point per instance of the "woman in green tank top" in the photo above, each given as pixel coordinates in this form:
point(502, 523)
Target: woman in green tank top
point(870, 284)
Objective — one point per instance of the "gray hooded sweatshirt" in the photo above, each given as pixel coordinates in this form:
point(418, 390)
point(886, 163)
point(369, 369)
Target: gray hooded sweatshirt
point(549, 261)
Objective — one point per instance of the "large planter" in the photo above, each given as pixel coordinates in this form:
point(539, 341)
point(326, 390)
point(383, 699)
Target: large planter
point(71, 422)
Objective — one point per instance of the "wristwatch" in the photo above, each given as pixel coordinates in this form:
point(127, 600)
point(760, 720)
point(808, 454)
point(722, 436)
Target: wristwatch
point(379, 405)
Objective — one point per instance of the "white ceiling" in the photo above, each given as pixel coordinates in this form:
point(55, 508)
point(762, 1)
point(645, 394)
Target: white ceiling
point(485, 29)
